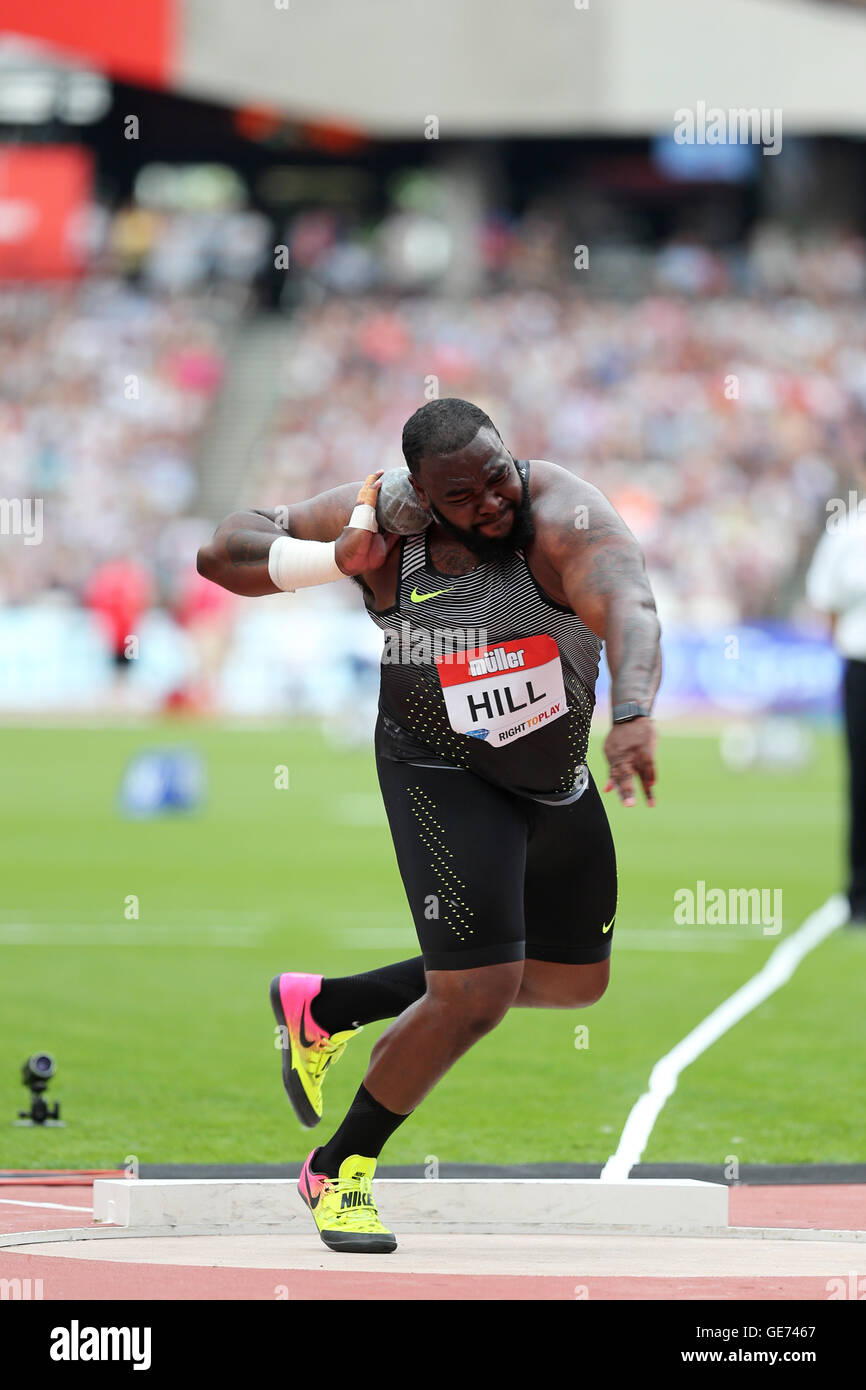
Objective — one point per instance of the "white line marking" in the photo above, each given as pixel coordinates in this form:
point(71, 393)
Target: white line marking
point(361, 808)
point(376, 938)
point(16, 916)
point(687, 939)
point(187, 935)
point(776, 972)
point(55, 1206)
point(725, 939)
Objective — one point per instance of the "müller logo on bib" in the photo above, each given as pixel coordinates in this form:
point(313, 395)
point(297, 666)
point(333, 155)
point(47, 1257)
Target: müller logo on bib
point(506, 689)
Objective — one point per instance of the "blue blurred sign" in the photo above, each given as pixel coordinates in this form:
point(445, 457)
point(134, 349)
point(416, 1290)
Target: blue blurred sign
point(160, 781)
point(751, 668)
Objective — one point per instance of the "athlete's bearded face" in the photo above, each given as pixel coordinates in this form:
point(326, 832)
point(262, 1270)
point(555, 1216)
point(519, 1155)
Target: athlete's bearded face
point(478, 497)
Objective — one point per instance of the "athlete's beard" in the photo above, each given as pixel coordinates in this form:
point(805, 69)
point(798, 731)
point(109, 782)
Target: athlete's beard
point(494, 550)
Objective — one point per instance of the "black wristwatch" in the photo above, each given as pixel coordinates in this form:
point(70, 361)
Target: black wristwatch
point(623, 713)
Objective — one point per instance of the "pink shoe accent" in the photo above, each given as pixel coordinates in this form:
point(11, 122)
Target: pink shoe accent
point(296, 995)
point(310, 1184)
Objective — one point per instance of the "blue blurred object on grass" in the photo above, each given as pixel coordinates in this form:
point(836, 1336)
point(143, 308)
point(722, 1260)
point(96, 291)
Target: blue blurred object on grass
point(162, 781)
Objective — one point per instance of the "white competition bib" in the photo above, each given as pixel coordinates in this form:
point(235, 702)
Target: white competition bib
point(504, 691)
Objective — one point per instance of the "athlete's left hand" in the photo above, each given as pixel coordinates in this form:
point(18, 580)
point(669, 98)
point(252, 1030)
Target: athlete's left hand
point(630, 751)
point(358, 550)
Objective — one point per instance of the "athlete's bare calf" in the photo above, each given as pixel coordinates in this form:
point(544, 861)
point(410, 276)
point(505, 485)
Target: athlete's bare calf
point(460, 1006)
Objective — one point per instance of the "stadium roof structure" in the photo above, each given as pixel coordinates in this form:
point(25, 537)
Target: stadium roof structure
point(480, 67)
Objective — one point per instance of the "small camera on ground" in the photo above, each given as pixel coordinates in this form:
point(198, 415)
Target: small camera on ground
point(36, 1073)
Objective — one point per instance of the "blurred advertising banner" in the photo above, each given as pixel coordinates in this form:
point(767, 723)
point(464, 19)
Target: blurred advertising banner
point(315, 661)
point(751, 668)
point(132, 41)
point(45, 194)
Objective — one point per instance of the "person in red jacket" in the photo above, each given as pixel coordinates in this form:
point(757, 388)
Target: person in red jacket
point(118, 593)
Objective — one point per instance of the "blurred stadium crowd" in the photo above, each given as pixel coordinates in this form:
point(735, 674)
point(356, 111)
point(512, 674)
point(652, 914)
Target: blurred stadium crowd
point(717, 396)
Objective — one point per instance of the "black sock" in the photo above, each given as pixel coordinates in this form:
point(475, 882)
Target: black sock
point(365, 1131)
point(351, 1000)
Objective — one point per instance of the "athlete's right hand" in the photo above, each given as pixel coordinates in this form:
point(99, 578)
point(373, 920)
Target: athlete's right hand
point(357, 550)
point(630, 752)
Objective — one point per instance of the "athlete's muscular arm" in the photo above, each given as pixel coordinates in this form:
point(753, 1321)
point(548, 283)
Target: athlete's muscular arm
point(604, 580)
point(237, 555)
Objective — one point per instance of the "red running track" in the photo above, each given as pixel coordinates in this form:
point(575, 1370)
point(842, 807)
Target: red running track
point(813, 1207)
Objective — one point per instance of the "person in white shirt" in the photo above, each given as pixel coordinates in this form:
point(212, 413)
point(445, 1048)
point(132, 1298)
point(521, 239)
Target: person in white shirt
point(836, 584)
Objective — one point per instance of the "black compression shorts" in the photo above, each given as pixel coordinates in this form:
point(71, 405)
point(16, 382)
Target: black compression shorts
point(492, 876)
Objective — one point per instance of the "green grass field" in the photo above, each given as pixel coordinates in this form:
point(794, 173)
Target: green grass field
point(162, 1029)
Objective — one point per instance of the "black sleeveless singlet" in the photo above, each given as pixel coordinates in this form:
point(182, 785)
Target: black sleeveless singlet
point(512, 728)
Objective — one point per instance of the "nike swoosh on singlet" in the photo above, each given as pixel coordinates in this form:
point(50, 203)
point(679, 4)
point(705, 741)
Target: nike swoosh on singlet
point(420, 598)
point(609, 925)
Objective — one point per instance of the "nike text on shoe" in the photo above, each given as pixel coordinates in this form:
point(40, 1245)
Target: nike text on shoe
point(307, 1050)
point(343, 1207)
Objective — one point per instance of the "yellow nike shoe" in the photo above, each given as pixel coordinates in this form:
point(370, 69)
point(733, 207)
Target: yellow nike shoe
point(307, 1050)
point(343, 1208)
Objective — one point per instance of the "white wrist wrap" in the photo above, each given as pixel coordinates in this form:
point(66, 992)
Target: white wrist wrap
point(294, 564)
point(364, 518)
